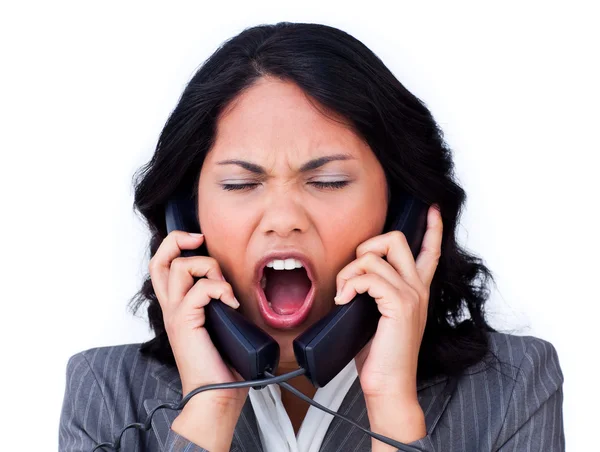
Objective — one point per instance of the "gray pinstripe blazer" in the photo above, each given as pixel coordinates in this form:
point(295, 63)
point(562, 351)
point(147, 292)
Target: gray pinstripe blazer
point(512, 407)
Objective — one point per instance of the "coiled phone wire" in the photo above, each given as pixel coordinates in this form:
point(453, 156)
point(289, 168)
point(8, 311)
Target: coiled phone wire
point(272, 379)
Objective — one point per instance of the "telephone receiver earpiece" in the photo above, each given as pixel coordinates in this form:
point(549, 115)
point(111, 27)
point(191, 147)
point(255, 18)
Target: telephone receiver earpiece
point(325, 348)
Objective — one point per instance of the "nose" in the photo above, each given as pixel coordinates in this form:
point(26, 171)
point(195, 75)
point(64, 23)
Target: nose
point(284, 214)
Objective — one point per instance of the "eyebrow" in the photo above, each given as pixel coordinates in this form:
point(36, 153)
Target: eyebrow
point(308, 166)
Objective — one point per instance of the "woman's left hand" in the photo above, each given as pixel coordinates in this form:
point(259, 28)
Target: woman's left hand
point(387, 365)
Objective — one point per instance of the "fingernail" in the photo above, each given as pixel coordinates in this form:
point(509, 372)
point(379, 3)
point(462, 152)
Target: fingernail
point(237, 303)
point(194, 234)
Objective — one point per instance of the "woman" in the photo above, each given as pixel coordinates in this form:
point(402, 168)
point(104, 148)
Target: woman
point(294, 139)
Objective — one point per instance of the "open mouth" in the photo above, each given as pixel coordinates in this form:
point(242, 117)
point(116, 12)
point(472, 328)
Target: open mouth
point(285, 293)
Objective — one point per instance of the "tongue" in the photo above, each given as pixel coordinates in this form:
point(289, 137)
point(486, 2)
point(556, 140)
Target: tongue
point(286, 289)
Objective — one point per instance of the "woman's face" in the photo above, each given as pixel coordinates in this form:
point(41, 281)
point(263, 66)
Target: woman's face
point(283, 181)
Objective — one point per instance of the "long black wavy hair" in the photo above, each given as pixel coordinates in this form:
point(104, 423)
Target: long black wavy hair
point(344, 76)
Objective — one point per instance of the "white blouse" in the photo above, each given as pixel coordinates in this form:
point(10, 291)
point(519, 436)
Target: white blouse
point(275, 427)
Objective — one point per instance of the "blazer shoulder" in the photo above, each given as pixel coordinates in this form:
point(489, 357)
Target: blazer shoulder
point(526, 356)
point(98, 356)
point(499, 395)
point(107, 361)
point(104, 391)
point(533, 408)
point(120, 372)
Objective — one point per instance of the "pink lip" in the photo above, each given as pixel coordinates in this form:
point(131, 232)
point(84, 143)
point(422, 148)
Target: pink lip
point(271, 318)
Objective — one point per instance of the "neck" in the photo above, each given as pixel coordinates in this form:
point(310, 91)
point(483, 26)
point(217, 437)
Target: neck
point(296, 408)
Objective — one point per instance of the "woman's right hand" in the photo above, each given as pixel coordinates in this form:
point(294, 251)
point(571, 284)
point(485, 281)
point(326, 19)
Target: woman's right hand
point(182, 302)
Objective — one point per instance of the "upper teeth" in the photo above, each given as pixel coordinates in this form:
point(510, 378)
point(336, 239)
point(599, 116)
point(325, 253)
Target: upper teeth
point(284, 264)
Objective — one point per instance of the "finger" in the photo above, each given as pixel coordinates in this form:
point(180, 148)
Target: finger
point(394, 246)
point(204, 291)
point(431, 249)
point(169, 249)
point(182, 273)
point(389, 299)
point(368, 263)
point(376, 286)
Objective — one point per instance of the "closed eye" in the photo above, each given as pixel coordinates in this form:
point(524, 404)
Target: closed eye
point(332, 185)
point(233, 187)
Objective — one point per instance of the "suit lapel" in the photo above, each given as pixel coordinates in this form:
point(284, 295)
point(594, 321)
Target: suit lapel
point(245, 439)
point(433, 396)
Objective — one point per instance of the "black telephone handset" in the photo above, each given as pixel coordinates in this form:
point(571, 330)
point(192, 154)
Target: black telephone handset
point(325, 348)
point(241, 343)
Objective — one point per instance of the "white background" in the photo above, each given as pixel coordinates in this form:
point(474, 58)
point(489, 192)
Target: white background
point(85, 91)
